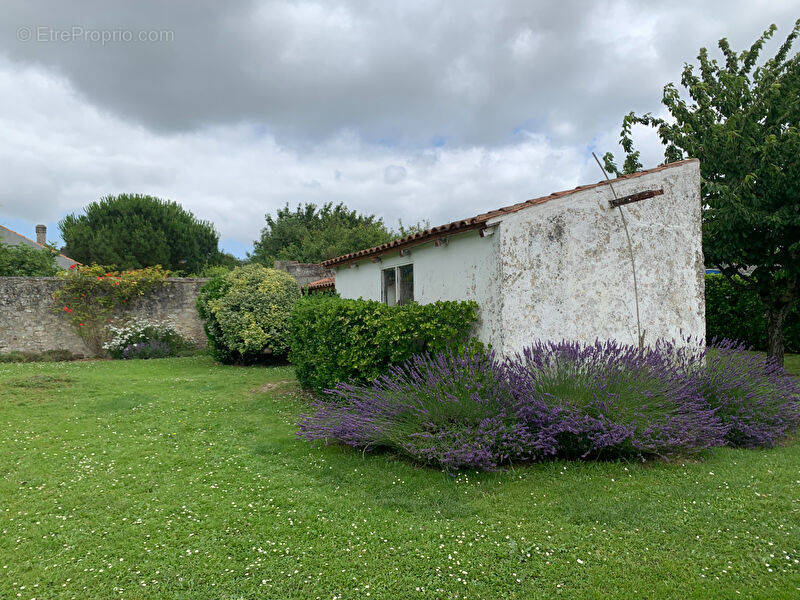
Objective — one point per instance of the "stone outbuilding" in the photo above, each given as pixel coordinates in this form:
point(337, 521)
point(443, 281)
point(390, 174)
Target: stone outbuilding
point(558, 267)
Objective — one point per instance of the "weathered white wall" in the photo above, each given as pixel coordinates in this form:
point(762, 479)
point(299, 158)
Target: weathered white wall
point(561, 270)
point(566, 270)
point(467, 268)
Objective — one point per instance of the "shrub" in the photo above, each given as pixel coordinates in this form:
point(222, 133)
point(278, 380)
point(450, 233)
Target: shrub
point(27, 261)
point(738, 314)
point(607, 400)
point(753, 395)
point(90, 296)
point(335, 340)
point(450, 410)
point(148, 349)
point(145, 339)
point(246, 313)
point(561, 400)
point(46, 356)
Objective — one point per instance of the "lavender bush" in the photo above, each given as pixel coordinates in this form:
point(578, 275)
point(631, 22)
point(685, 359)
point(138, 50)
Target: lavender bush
point(453, 410)
point(150, 349)
point(607, 400)
point(565, 400)
point(753, 396)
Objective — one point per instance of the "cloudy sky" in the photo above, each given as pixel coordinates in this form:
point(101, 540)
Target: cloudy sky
point(410, 110)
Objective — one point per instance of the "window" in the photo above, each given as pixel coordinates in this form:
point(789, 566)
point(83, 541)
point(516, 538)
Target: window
point(397, 285)
point(389, 289)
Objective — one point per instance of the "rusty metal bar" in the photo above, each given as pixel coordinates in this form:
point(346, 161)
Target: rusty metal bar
point(617, 202)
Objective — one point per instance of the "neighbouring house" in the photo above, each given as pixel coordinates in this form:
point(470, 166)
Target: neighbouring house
point(12, 238)
point(557, 267)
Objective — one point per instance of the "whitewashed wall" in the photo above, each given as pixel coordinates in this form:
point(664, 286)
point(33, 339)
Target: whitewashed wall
point(566, 270)
point(561, 270)
point(466, 268)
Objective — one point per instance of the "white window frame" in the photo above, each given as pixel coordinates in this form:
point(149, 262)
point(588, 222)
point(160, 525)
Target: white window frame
point(397, 286)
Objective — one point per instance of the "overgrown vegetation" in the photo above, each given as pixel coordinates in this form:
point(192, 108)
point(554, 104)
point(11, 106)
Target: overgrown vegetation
point(565, 400)
point(741, 120)
point(90, 295)
point(134, 231)
point(246, 313)
point(736, 313)
point(334, 340)
point(27, 261)
point(46, 356)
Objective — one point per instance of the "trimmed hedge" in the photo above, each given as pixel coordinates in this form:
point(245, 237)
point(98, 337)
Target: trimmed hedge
point(736, 314)
point(334, 339)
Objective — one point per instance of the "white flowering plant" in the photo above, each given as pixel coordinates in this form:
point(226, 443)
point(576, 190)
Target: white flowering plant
point(144, 338)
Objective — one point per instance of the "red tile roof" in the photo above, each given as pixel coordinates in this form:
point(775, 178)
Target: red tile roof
point(479, 221)
point(321, 284)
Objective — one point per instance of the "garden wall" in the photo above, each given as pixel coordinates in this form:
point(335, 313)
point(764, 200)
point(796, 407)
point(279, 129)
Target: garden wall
point(28, 323)
point(303, 273)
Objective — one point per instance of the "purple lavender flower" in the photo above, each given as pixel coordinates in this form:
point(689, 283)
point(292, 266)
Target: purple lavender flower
point(150, 349)
point(606, 400)
point(753, 395)
point(570, 400)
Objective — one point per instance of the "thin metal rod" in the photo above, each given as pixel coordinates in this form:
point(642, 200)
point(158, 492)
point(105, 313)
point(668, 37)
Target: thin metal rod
point(630, 250)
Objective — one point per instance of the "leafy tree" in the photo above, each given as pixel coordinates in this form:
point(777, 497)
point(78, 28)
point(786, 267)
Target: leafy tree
point(132, 231)
point(224, 262)
point(27, 261)
point(743, 122)
point(405, 230)
point(312, 234)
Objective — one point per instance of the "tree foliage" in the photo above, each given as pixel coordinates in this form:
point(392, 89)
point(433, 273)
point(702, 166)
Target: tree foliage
point(312, 234)
point(738, 314)
point(742, 120)
point(27, 261)
point(132, 231)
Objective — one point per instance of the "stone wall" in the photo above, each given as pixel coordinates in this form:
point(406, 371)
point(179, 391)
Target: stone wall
point(28, 323)
point(304, 273)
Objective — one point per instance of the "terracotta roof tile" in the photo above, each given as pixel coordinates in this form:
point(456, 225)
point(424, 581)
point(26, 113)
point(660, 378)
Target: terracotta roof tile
point(479, 221)
point(319, 284)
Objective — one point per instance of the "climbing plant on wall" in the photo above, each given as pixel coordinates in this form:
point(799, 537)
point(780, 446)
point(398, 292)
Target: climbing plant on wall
point(90, 295)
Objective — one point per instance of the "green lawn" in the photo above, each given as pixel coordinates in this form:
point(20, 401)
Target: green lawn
point(792, 363)
point(179, 478)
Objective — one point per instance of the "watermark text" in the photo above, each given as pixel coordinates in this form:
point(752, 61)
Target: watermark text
point(77, 33)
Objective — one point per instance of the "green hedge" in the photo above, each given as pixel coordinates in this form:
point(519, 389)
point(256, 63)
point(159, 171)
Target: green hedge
point(333, 339)
point(739, 315)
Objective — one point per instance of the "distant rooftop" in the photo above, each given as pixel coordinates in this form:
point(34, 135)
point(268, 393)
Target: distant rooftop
point(12, 238)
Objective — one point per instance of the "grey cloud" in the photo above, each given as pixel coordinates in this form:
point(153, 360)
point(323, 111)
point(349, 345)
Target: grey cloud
point(399, 73)
point(472, 105)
